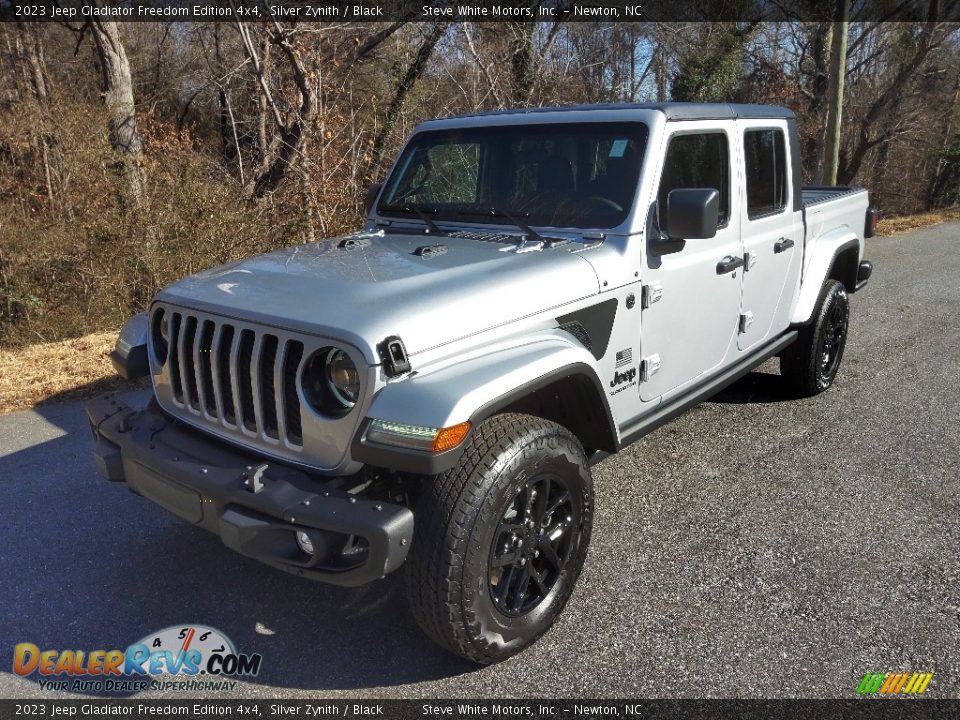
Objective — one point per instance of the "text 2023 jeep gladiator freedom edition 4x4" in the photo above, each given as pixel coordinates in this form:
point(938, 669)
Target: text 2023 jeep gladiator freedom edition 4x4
point(532, 291)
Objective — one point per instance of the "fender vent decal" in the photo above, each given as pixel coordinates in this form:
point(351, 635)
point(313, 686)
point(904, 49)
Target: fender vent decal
point(596, 322)
point(579, 332)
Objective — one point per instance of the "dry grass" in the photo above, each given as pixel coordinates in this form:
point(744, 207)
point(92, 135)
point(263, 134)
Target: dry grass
point(54, 372)
point(904, 223)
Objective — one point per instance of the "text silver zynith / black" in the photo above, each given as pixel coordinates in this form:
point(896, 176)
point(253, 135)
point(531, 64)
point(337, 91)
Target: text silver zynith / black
point(532, 291)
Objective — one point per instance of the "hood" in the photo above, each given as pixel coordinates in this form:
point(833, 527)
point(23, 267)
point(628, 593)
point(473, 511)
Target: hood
point(379, 286)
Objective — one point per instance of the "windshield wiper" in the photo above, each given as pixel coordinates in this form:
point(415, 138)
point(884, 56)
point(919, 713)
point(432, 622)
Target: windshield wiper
point(498, 212)
point(420, 212)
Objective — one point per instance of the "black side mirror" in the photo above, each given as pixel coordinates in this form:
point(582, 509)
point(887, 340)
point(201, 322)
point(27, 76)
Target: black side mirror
point(693, 213)
point(373, 192)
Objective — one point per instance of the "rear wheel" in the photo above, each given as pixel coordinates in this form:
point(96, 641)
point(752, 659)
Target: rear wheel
point(500, 540)
point(811, 363)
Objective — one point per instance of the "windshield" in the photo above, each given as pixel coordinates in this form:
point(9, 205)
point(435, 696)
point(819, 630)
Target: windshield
point(580, 175)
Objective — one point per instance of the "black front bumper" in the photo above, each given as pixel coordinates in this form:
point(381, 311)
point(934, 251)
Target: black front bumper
point(255, 507)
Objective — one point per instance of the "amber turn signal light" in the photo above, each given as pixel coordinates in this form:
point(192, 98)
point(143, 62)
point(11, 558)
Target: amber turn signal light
point(450, 437)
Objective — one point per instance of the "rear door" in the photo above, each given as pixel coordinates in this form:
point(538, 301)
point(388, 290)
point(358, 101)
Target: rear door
point(771, 230)
point(689, 329)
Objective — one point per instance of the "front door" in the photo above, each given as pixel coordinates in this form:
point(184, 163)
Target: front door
point(691, 326)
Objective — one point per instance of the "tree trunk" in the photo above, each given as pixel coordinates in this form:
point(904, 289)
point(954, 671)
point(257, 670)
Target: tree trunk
point(227, 147)
point(660, 74)
point(263, 109)
point(410, 78)
point(29, 54)
point(521, 62)
point(838, 69)
point(291, 127)
point(819, 87)
point(118, 98)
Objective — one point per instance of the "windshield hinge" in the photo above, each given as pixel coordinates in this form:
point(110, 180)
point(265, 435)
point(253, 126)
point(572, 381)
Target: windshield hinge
point(650, 294)
point(649, 367)
point(527, 245)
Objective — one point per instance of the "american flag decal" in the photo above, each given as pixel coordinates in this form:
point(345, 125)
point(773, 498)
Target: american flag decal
point(624, 357)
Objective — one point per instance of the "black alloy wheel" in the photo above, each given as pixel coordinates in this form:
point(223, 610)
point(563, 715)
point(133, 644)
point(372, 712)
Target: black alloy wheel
point(810, 364)
point(834, 340)
point(532, 545)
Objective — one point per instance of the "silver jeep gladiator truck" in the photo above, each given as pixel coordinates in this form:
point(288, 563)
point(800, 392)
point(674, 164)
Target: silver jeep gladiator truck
point(532, 291)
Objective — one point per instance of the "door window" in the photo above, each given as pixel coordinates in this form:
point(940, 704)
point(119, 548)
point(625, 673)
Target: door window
point(696, 160)
point(766, 172)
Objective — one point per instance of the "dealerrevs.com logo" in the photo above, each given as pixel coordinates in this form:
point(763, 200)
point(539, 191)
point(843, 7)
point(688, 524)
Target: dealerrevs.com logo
point(894, 683)
point(171, 659)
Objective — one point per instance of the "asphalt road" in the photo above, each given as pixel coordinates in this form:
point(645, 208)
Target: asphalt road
point(758, 546)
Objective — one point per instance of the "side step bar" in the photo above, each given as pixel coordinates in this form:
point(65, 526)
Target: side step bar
point(665, 413)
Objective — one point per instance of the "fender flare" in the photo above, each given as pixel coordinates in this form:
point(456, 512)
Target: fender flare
point(826, 250)
point(129, 355)
point(472, 390)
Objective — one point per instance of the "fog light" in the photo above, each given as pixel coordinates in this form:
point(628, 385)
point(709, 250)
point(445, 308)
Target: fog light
point(305, 543)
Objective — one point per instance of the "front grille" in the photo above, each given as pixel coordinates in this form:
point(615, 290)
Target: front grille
point(245, 380)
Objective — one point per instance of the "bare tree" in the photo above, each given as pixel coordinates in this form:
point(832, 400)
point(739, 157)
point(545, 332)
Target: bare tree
point(929, 37)
point(291, 127)
point(117, 87)
point(710, 70)
point(404, 86)
point(29, 54)
point(521, 60)
point(288, 63)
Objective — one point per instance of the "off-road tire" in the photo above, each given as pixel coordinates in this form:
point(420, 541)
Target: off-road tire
point(458, 521)
point(810, 365)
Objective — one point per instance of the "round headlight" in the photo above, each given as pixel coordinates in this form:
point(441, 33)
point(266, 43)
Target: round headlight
point(343, 379)
point(159, 336)
point(330, 382)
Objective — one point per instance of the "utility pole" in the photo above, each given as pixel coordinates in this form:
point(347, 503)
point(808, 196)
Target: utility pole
point(838, 70)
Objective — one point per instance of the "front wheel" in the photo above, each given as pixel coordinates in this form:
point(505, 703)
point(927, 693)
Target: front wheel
point(811, 363)
point(500, 539)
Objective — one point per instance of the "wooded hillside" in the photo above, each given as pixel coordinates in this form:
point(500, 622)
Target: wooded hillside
point(132, 154)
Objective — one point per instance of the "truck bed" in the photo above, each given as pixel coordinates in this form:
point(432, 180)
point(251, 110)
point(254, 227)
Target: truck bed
point(830, 210)
point(816, 194)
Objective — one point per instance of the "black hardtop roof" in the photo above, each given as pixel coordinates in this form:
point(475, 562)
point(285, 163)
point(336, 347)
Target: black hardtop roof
point(673, 110)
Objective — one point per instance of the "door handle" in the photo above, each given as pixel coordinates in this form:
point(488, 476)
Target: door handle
point(782, 245)
point(729, 264)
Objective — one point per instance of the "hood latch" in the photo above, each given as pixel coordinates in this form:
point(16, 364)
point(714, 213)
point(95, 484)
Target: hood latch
point(393, 354)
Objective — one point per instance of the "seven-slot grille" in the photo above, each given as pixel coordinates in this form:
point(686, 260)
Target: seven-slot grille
point(242, 378)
